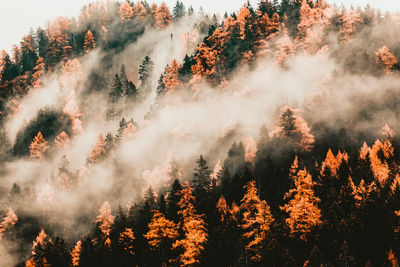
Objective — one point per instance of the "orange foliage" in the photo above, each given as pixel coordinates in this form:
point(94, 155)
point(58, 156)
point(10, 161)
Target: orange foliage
point(223, 209)
point(333, 163)
point(125, 11)
point(8, 221)
point(160, 230)
point(139, 11)
point(171, 80)
point(194, 229)
point(380, 169)
point(89, 42)
point(256, 221)
point(385, 58)
point(242, 18)
point(302, 208)
point(76, 253)
point(126, 239)
point(38, 72)
point(99, 149)
point(38, 147)
point(62, 140)
point(162, 16)
point(105, 220)
point(351, 21)
point(250, 147)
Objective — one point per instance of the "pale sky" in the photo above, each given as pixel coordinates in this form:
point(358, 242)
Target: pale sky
point(19, 16)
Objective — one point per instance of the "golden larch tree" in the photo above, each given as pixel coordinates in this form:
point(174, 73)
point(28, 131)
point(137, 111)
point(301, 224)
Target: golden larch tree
point(194, 229)
point(162, 16)
point(8, 221)
point(255, 222)
point(139, 11)
point(38, 147)
point(89, 42)
point(38, 72)
point(99, 149)
point(162, 233)
point(223, 209)
point(302, 208)
point(126, 239)
point(171, 80)
point(351, 22)
point(332, 163)
point(105, 219)
point(384, 58)
point(76, 253)
point(380, 167)
point(125, 11)
point(62, 140)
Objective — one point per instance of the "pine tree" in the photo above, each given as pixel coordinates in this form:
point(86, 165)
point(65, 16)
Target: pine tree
point(89, 42)
point(302, 208)
point(256, 222)
point(173, 201)
point(202, 184)
point(194, 229)
point(28, 54)
point(38, 147)
point(179, 11)
point(293, 130)
point(145, 77)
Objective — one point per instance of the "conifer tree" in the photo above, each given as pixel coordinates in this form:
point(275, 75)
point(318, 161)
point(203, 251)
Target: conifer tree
point(385, 58)
point(256, 222)
point(194, 229)
point(38, 147)
point(161, 235)
point(89, 42)
point(126, 240)
point(105, 220)
point(38, 72)
point(76, 253)
point(99, 149)
point(293, 130)
point(139, 11)
point(171, 76)
point(302, 208)
point(62, 140)
point(162, 16)
point(8, 222)
point(125, 11)
point(179, 11)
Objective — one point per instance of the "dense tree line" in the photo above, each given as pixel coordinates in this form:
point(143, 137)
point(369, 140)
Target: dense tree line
point(327, 196)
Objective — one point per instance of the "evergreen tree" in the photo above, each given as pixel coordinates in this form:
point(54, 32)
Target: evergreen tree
point(179, 11)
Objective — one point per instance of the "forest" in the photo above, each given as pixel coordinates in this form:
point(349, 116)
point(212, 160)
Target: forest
point(139, 134)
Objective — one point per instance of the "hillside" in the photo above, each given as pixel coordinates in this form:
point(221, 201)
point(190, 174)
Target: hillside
point(145, 135)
